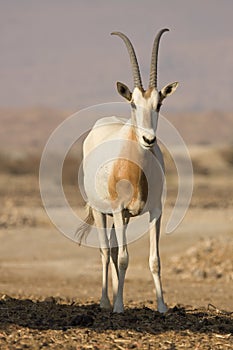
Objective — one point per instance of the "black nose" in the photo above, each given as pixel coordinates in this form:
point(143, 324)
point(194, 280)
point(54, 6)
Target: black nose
point(149, 141)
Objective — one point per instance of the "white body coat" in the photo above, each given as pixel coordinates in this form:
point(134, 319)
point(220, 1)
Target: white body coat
point(123, 177)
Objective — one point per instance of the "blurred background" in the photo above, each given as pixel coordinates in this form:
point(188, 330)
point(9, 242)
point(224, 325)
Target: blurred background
point(57, 57)
point(60, 54)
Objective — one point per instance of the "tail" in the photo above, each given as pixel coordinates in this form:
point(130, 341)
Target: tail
point(83, 230)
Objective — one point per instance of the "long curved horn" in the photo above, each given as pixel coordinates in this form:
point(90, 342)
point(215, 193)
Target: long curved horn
point(154, 59)
point(133, 59)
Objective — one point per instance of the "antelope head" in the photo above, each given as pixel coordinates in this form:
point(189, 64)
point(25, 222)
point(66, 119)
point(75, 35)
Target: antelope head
point(145, 104)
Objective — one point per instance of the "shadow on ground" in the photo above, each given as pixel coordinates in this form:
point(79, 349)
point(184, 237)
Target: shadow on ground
point(55, 314)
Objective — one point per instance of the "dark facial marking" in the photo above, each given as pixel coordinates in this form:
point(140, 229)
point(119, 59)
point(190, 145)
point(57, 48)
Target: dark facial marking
point(133, 105)
point(158, 106)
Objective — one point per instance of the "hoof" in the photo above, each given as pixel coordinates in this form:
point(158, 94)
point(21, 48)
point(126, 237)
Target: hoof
point(162, 308)
point(105, 304)
point(118, 308)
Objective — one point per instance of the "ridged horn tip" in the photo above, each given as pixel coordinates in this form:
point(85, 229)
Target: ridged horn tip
point(133, 59)
point(154, 58)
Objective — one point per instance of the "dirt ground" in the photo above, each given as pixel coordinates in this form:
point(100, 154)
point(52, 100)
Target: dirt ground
point(50, 287)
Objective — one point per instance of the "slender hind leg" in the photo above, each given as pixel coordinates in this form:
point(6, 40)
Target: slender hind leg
point(114, 262)
point(154, 262)
point(100, 222)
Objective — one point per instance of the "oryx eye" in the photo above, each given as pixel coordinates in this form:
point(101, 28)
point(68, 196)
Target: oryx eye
point(133, 105)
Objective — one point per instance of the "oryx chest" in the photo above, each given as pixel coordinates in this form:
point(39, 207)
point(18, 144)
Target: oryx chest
point(127, 186)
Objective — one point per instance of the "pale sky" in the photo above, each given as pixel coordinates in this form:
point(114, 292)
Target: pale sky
point(60, 54)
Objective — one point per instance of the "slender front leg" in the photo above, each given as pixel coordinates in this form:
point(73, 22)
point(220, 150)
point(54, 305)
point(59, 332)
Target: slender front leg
point(100, 222)
point(123, 259)
point(154, 262)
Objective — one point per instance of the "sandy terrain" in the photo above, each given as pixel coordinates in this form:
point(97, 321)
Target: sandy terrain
point(50, 287)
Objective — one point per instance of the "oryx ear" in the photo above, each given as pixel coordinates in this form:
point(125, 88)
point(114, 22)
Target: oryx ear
point(169, 89)
point(124, 91)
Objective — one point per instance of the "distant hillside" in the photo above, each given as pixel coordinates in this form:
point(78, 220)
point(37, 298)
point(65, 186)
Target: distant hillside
point(28, 129)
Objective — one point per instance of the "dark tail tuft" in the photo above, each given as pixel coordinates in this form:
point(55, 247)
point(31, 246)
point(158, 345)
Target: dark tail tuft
point(83, 230)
